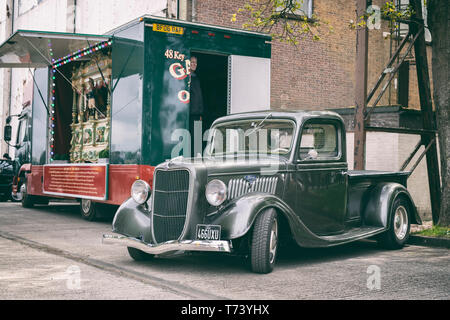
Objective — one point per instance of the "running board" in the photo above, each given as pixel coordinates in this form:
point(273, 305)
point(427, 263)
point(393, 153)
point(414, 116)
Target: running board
point(352, 235)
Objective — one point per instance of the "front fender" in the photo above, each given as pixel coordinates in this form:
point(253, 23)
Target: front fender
point(237, 218)
point(132, 220)
point(378, 210)
point(24, 169)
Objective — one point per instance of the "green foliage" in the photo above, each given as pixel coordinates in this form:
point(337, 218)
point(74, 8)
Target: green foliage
point(389, 12)
point(436, 231)
point(284, 20)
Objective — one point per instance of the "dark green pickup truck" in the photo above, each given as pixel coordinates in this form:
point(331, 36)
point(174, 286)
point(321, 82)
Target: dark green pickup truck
point(265, 177)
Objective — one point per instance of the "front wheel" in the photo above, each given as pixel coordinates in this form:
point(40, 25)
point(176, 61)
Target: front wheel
point(399, 226)
point(264, 244)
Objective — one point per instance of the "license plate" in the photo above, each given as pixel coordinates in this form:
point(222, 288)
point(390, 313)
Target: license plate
point(167, 28)
point(208, 232)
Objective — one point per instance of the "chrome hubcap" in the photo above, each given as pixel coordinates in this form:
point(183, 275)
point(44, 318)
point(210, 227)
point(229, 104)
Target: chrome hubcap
point(273, 241)
point(401, 222)
point(85, 205)
point(22, 191)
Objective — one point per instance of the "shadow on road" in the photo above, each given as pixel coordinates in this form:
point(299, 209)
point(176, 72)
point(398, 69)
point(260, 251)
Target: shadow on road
point(72, 210)
point(288, 258)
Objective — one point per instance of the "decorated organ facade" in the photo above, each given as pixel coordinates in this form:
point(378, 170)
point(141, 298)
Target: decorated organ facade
point(91, 107)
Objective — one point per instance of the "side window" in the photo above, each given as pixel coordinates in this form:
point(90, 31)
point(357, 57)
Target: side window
point(21, 131)
point(319, 141)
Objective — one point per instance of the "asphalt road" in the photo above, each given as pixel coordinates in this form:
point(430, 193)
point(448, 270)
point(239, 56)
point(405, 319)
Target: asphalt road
point(50, 252)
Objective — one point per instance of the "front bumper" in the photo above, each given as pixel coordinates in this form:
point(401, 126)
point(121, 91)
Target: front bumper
point(169, 246)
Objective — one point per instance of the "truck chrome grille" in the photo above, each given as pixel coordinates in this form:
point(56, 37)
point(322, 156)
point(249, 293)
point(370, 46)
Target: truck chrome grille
point(170, 199)
point(239, 187)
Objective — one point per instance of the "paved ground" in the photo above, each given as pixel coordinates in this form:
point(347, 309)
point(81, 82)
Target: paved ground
point(49, 252)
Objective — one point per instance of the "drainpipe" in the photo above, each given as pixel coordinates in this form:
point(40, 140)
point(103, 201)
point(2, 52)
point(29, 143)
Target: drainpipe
point(74, 16)
point(7, 75)
point(71, 16)
point(194, 10)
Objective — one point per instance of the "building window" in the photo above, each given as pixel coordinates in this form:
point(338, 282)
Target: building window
point(305, 9)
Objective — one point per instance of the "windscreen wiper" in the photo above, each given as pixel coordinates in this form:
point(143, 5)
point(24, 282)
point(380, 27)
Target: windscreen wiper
point(258, 126)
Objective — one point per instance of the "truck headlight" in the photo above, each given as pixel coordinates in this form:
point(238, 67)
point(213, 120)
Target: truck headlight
point(216, 192)
point(140, 191)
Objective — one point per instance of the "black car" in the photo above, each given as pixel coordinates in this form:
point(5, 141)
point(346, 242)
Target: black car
point(266, 178)
point(7, 171)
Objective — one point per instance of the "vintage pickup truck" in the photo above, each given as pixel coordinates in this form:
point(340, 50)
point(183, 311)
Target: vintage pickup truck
point(265, 177)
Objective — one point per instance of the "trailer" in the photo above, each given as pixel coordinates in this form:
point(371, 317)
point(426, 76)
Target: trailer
point(106, 109)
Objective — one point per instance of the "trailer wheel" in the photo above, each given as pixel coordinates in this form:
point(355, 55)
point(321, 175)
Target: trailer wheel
point(399, 225)
point(27, 199)
point(264, 242)
point(88, 209)
point(139, 255)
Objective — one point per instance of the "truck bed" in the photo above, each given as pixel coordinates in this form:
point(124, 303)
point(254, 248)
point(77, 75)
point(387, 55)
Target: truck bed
point(374, 176)
point(360, 184)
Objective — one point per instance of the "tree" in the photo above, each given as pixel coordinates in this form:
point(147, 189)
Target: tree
point(271, 16)
point(285, 20)
point(439, 24)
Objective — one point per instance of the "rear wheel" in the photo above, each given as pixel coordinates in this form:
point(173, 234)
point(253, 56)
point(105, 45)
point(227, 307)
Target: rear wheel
point(139, 255)
point(88, 209)
point(398, 233)
point(264, 244)
point(27, 199)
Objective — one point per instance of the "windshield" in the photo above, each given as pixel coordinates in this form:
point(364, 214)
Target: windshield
point(253, 137)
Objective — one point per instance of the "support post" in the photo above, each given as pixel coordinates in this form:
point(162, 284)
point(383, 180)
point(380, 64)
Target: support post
point(361, 70)
point(423, 80)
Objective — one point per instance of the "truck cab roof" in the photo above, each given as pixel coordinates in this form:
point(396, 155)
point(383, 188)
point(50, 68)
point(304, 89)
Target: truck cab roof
point(298, 116)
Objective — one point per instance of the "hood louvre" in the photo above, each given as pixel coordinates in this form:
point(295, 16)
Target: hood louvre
point(241, 186)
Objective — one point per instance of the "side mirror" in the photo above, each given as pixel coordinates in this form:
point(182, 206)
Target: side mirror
point(7, 133)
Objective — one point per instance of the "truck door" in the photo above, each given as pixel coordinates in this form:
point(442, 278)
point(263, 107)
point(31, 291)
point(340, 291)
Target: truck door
point(248, 84)
point(320, 177)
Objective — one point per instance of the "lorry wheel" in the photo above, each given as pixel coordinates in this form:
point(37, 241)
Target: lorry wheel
point(139, 255)
point(264, 244)
point(27, 199)
point(398, 233)
point(88, 209)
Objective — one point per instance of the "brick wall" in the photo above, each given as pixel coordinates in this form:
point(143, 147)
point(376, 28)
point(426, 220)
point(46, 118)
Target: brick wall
point(317, 74)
